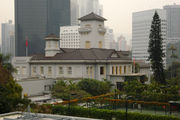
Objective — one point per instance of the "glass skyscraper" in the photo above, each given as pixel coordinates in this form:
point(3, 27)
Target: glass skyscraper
point(35, 19)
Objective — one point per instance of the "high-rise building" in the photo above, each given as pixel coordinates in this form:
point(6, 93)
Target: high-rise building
point(8, 40)
point(122, 43)
point(173, 23)
point(74, 12)
point(81, 8)
point(69, 37)
point(35, 19)
point(88, 6)
point(108, 38)
point(141, 25)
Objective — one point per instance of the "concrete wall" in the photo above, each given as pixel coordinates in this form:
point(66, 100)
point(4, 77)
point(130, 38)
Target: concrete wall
point(33, 87)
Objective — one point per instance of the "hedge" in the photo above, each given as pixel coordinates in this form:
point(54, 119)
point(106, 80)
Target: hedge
point(106, 114)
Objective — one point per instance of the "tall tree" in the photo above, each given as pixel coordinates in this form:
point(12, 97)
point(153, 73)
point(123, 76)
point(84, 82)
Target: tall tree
point(156, 50)
point(10, 91)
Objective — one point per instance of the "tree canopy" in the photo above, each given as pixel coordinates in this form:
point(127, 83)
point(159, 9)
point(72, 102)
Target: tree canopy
point(10, 91)
point(155, 50)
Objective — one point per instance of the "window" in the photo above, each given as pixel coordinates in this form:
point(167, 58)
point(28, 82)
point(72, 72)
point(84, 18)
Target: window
point(116, 70)
point(87, 25)
point(34, 70)
point(101, 70)
point(69, 70)
point(129, 68)
point(49, 44)
point(61, 71)
point(91, 71)
point(23, 70)
point(100, 44)
point(120, 70)
point(57, 44)
point(41, 70)
point(49, 70)
point(124, 69)
point(87, 70)
point(18, 70)
point(113, 70)
point(87, 44)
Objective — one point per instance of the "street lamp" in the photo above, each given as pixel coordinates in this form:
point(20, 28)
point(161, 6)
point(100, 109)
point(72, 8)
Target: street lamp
point(115, 96)
point(165, 91)
point(72, 94)
point(127, 97)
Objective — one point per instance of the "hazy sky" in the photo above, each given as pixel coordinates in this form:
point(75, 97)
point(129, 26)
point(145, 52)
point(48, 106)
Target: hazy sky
point(118, 12)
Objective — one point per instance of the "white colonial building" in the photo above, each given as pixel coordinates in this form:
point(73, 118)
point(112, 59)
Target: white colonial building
point(91, 61)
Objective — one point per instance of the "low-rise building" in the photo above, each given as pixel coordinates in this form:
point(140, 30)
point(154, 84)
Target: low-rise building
point(75, 64)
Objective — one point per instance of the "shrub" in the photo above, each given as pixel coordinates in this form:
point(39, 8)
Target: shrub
point(105, 114)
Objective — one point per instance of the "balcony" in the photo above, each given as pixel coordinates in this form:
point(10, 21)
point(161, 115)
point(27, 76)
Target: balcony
point(102, 30)
point(85, 30)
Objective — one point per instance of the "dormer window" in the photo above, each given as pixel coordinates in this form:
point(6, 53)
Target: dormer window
point(114, 55)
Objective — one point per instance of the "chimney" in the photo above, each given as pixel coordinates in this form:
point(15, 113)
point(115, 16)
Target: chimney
point(52, 45)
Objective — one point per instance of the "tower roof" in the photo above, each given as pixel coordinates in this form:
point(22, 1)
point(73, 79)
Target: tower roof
point(92, 16)
point(51, 37)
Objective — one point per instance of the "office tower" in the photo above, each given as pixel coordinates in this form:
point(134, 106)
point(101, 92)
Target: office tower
point(88, 6)
point(8, 40)
point(74, 12)
point(69, 37)
point(173, 23)
point(108, 38)
point(122, 43)
point(141, 25)
point(35, 19)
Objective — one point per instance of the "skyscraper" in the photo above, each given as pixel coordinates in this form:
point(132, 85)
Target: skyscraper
point(35, 19)
point(8, 40)
point(141, 25)
point(173, 23)
point(122, 43)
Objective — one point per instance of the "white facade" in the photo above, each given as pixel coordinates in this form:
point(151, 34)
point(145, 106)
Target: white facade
point(8, 39)
point(69, 69)
point(141, 25)
point(69, 37)
point(92, 34)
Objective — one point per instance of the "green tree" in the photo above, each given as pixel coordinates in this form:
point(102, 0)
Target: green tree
point(68, 91)
point(156, 50)
point(10, 91)
point(94, 87)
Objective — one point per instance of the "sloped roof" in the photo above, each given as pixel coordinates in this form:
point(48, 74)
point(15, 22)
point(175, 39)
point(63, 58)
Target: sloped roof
point(84, 54)
point(92, 16)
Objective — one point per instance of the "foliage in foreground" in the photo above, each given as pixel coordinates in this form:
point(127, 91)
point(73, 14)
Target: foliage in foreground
point(68, 91)
point(84, 88)
point(94, 87)
point(106, 114)
point(152, 91)
point(10, 91)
